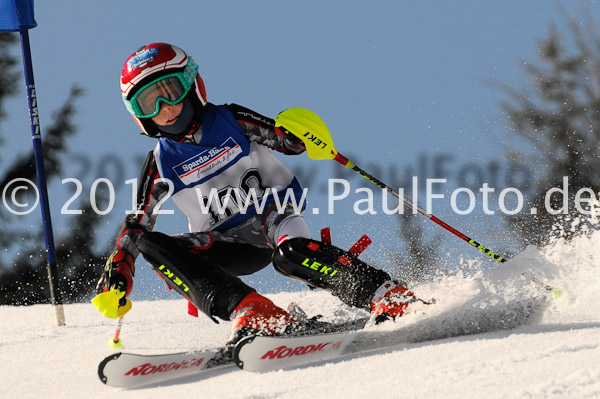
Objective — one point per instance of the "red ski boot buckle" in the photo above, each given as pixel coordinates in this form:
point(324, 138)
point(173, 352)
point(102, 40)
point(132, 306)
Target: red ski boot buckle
point(357, 249)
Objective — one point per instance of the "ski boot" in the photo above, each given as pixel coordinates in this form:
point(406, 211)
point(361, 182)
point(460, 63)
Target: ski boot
point(390, 301)
point(257, 315)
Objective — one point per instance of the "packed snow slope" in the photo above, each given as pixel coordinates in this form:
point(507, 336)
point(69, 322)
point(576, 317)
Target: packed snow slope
point(558, 357)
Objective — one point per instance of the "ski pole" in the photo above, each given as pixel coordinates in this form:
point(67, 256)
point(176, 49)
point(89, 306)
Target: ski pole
point(115, 342)
point(556, 292)
point(349, 164)
point(310, 128)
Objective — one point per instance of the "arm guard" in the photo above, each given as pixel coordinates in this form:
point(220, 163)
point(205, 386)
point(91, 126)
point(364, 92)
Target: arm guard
point(260, 129)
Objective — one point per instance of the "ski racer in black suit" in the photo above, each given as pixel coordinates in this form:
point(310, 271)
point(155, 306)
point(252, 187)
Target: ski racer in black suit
point(243, 205)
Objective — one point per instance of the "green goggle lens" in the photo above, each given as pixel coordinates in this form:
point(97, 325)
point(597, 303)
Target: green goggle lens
point(170, 89)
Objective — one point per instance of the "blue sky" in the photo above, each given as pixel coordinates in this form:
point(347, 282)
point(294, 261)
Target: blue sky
point(400, 84)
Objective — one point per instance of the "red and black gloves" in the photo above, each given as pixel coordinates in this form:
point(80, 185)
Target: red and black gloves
point(115, 285)
point(118, 273)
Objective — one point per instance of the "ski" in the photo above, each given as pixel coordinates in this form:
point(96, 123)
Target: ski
point(129, 370)
point(264, 353)
point(268, 353)
point(325, 342)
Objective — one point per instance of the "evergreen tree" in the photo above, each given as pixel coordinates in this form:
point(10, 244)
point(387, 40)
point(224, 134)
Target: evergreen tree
point(23, 279)
point(559, 116)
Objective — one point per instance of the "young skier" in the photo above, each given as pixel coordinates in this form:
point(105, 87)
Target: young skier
point(205, 154)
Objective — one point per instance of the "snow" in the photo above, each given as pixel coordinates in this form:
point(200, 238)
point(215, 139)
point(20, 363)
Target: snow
point(557, 358)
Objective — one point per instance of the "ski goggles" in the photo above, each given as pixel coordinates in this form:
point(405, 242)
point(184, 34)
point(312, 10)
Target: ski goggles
point(170, 89)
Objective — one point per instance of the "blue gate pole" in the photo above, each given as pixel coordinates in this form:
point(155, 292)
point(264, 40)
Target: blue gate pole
point(55, 292)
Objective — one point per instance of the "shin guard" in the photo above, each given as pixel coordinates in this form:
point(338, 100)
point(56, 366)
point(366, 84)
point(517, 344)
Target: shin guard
point(326, 266)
